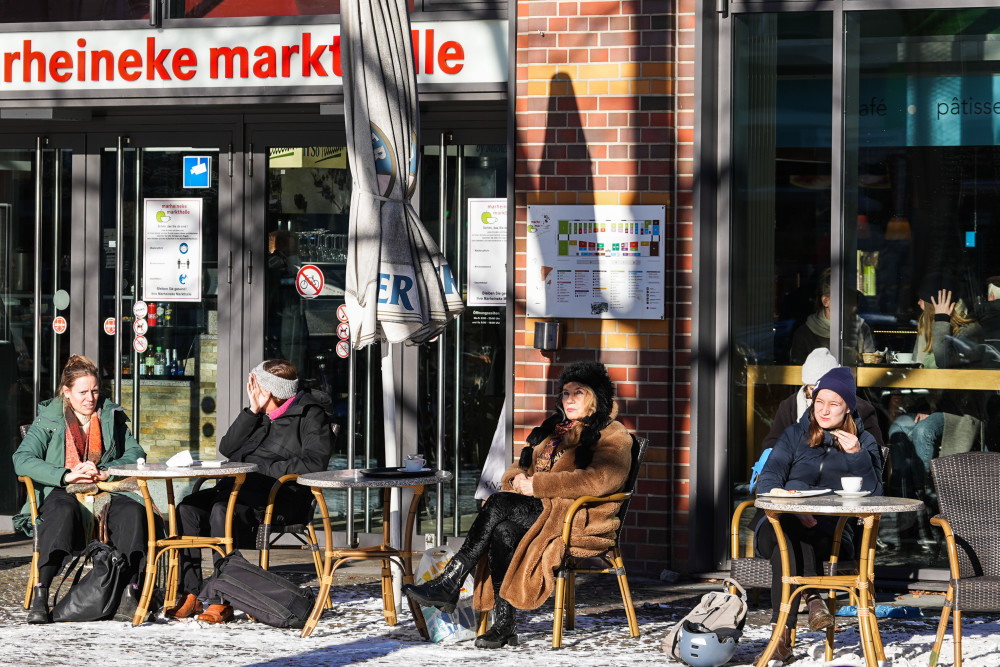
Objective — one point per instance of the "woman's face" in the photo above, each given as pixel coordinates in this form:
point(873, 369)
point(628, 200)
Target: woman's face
point(82, 394)
point(829, 408)
point(576, 401)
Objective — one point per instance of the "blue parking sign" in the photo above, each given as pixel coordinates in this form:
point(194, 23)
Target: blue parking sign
point(197, 171)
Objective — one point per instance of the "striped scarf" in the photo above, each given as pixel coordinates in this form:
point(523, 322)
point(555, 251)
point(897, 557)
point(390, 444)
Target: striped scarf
point(82, 446)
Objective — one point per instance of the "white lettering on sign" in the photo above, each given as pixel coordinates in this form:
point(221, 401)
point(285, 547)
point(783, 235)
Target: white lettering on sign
point(235, 56)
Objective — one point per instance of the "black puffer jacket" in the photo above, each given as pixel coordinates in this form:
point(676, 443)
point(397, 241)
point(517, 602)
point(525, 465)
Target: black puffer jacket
point(299, 441)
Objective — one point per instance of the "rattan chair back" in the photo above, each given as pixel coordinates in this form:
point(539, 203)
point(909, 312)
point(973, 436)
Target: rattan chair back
point(968, 492)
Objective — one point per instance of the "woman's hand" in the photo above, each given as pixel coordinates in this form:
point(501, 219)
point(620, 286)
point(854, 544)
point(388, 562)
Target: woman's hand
point(848, 441)
point(522, 484)
point(807, 520)
point(943, 305)
point(81, 472)
point(258, 397)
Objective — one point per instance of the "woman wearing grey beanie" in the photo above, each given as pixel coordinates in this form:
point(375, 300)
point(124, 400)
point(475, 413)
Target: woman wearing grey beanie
point(284, 430)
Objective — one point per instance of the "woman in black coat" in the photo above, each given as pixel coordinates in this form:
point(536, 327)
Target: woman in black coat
point(284, 431)
point(828, 443)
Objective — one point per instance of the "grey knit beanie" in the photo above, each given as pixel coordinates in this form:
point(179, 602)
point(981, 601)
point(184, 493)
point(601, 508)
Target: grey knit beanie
point(817, 364)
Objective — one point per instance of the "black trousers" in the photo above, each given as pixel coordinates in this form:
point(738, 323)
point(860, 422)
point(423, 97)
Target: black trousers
point(807, 549)
point(497, 530)
point(60, 532)
point(204, 513)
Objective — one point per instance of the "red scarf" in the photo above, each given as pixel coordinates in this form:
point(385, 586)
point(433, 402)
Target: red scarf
point(80, 446)
point(544, 462)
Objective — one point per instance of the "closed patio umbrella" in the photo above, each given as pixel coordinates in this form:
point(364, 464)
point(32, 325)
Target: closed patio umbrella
point(399, 286)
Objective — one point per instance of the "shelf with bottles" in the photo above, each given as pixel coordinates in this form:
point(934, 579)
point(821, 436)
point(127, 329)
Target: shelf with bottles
point(159, 363)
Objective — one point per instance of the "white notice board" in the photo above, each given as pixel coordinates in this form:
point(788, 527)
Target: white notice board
point(172, 249)
point(487, 252)
point(604, 261)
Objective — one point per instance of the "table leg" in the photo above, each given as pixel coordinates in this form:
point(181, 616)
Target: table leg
point(765, 657)
point(388, 597)
point(231, 510)
point(150, 579)
point(173, 565)
point(327, 579)
point(418, 616)
point(865, 578)
point(876, 634)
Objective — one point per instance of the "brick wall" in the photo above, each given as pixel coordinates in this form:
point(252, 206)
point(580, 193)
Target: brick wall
point(595, 125)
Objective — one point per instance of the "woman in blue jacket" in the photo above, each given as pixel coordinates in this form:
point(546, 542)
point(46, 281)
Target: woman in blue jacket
point(827, 443)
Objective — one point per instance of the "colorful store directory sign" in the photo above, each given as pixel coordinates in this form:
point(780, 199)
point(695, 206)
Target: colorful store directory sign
point(171, 263)
point(602, 261)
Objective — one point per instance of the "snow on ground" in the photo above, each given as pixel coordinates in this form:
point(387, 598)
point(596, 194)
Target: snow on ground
point(357, 634)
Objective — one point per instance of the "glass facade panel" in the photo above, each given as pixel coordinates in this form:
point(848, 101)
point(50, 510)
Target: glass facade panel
point(52, 11)
point(782, 73)
point(922, 187)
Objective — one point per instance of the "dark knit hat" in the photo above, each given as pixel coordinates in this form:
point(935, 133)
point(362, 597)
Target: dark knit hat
point(840, 381)
point(594, 375)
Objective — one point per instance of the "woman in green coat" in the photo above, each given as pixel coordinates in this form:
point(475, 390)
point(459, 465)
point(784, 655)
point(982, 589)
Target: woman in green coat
point(76, 437)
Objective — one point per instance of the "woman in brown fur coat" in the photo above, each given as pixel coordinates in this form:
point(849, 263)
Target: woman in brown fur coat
point(517, 538)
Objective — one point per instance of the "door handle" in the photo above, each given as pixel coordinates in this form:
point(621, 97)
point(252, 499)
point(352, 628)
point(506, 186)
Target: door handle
point(249, 267)
point(229, 278)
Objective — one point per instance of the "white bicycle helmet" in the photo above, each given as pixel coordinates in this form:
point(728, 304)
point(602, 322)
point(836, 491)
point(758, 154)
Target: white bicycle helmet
point(700, 647)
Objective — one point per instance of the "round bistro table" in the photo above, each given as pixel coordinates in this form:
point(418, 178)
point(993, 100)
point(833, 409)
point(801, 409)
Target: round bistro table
point(175, 542)
point(402, 558)
point(859, 586)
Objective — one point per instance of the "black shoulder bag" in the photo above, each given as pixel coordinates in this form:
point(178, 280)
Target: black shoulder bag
point(93, 596)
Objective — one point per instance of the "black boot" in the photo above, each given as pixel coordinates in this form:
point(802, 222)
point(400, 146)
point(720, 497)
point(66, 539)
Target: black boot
point(443, 591)
point(504, 628)
point(39, 611)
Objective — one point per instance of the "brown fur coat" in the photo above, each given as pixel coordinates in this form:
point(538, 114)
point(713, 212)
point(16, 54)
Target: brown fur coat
point(531, 576)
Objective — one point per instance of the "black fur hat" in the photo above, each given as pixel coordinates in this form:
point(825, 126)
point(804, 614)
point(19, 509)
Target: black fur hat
point(594, 375)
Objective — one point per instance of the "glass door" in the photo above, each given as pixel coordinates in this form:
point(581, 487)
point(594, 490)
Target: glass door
point(166, 273)
point(36, 219)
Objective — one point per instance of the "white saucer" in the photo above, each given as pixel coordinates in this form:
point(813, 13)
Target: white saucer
point(852, 494)
point(421, 470)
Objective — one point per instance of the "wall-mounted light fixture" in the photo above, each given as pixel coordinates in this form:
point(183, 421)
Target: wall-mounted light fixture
point(547, 334)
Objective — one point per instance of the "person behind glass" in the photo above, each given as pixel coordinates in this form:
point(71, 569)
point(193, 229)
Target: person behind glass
point(828, 443)
point(74, 439)
point(516, 539)
point(816, 330)
point(989, 313)
point(285, 430)
point(792, 408)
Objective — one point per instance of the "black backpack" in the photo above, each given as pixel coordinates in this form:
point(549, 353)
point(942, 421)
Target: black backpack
point(265, 596)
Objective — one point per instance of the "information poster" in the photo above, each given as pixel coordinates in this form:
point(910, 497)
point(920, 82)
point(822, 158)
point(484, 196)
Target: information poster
point(603, 261)
point(172, 248)
point(487, 252)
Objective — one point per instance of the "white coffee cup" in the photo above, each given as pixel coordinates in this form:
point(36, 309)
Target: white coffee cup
point(414, 463)
point(903, 357)
point(851, 483)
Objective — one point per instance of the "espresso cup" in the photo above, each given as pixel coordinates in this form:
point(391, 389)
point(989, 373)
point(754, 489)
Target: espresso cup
point(851, 483)
point(414, 464)
point(903, 357)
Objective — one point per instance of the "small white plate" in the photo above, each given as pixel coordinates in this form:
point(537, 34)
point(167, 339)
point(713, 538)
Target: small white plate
point(801, 494)
point(421, 470)
point(852, 494)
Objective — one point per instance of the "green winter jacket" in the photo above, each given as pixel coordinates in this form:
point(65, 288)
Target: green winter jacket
point(42, 454)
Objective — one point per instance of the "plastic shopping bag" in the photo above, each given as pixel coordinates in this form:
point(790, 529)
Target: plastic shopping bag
point(460, 625)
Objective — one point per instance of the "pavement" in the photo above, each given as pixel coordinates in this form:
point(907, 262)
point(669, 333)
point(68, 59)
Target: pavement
point(355, 631)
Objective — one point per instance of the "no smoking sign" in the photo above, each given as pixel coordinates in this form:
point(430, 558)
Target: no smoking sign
point(309, 281)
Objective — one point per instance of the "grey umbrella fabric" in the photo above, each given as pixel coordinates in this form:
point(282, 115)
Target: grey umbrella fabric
point(399, 286)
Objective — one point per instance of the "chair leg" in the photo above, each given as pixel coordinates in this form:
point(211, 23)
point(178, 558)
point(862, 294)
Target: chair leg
point(571, 600)
point(484, 623)
point(956, 630)
point(317, 561)
point(633, 622)
point(942, 626)
point(557, 621)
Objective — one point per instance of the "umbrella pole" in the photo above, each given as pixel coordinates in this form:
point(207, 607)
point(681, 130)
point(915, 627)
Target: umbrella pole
point(392, 458)
point(351, 416)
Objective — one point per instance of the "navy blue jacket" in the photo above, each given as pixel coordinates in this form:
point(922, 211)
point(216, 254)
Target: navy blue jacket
point(793, 464)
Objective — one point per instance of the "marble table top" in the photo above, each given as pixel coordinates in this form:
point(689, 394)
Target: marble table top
point(352, 478)
point(162, 471)
point(831, 503)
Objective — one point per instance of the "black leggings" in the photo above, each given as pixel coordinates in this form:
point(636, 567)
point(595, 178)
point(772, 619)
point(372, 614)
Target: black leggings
point(808, 548)
point(496, 532)
point(60, 532)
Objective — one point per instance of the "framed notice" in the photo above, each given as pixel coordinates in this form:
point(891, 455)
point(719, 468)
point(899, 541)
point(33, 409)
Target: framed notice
point(487, 252)
point(601, 261)
point(172, 249)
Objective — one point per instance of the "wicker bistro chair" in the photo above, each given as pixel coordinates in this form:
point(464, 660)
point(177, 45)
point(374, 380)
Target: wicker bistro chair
point(968, 492)
point(565, 594)
point(33, 507)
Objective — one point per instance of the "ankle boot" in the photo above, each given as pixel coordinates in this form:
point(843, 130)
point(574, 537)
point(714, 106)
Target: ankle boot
point(783, 651)
point(820, 617)
point(504, 628)
point(39, 611)
point(443, 591)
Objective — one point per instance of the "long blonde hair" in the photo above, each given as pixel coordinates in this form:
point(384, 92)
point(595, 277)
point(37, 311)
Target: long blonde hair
point(925, 325)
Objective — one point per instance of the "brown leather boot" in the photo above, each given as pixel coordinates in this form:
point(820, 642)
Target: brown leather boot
point(820, 617)
point(782, 652)
point(188, 607)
